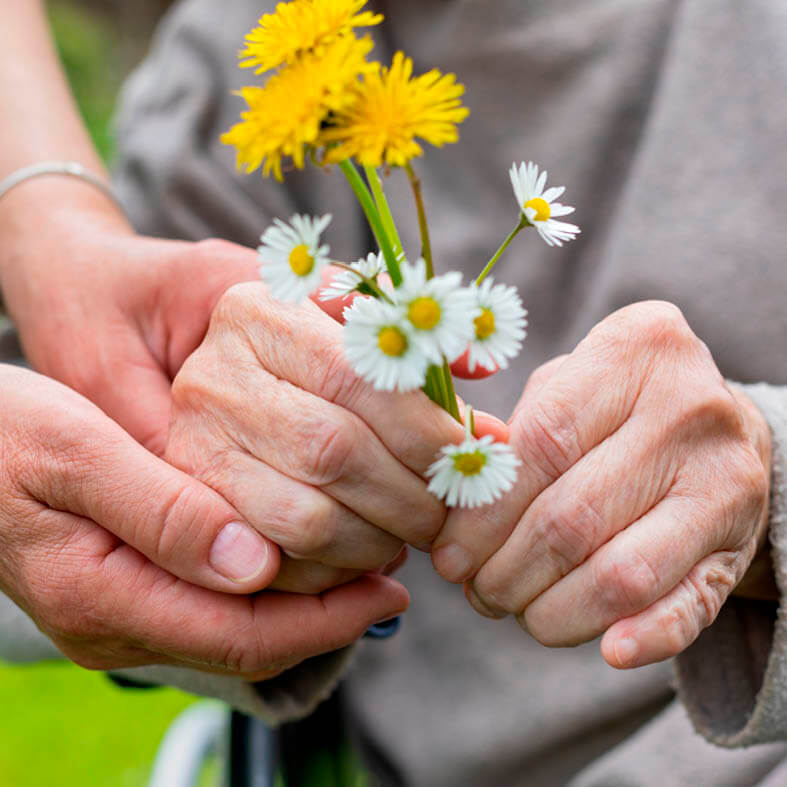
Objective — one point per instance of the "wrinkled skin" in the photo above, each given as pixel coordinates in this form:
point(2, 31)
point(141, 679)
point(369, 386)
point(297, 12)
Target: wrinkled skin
point(107, 548)
point(641, 502)
point(269, 414)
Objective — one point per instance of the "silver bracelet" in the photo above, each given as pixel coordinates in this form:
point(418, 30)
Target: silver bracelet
point(70, 168)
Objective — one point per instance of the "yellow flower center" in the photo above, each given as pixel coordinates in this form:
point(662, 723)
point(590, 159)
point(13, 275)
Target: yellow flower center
point(484, 324)
point(392, 341)
point(470, 464)
point(424, 313)
point(541, 207)
point(301, 261)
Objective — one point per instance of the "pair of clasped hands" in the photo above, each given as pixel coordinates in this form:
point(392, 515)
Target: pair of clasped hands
point(231, 450)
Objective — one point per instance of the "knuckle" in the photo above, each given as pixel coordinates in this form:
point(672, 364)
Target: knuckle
point(656, 321)
point(209, 249)
point(713, 410)
point(542, 629)
point(324, 455)
point(680, 624)
point(236, 306)
point(571, 534)
point(710, 585)
point(313, 525)
point(627, 583)
point(337, 381)
point(426, 523)
point(550, 439)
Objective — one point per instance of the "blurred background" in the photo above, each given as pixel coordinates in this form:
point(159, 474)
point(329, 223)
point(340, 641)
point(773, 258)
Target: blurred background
point(61, 725)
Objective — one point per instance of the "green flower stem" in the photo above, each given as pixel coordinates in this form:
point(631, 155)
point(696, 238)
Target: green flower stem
point(382, 207)
point(469, 422)
point(432, 386)
point(370, 283)
point(426, 246)
point(523, 222)
point(373, 217)
point(451, 403)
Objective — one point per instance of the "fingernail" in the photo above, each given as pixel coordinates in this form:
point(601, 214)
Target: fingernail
point(239, 553)
point(452, 563)
point(626, 651)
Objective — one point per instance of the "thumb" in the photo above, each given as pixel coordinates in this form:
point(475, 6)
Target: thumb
point(177, 522)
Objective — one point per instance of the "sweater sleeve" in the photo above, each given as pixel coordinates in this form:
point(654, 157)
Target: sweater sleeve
point(733, 679)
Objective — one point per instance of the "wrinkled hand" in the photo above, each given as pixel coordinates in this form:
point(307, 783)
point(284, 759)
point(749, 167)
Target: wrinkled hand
point(269, 414)
point(104, 546)
point(108, 312)
point(641, 502)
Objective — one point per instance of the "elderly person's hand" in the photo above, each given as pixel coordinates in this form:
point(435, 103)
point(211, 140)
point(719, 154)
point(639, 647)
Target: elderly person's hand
point(641, 501)
point(123, 560)
point(269, 413)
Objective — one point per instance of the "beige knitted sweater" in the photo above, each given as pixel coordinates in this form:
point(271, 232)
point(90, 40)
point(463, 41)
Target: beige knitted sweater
point(666, 120)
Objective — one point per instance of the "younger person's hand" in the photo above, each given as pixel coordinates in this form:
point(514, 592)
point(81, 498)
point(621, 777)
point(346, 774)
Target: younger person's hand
point(123, 560)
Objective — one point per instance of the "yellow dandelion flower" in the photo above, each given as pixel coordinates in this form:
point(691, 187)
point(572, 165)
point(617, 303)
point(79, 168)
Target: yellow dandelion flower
point(302, 26)
point(391, 109)
point(285, 116)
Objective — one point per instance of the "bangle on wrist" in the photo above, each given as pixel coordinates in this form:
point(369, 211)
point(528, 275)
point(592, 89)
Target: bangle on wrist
point(69, 168)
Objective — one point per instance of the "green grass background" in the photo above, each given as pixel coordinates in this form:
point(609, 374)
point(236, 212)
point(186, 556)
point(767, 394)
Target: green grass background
point(62, 726)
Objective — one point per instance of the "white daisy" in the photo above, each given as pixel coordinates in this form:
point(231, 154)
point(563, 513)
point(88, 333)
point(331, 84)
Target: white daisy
point(378, 344)
point(346, 282)
point(539, 206)
point(499, 329)
point(474, 473)
point(292, 257)
point(440, 311)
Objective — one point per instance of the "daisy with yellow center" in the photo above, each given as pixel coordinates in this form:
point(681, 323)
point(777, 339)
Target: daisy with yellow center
point(474, 473)
point(346, 281)
point(500, 328)
point(292, 257)
point(300, 27)
point(285, 117)
point(391, 109)
point(538, 205)
point(378, 344)
point(439, 310)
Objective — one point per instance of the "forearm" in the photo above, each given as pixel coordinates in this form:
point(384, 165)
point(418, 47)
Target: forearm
point(41, 117)
point(40, 122)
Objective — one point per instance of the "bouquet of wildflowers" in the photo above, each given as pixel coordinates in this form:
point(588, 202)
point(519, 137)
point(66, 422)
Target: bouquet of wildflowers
point(326, 103)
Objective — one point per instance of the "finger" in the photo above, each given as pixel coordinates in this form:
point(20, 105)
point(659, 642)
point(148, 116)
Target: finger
point(608, 489)
point(668, 626)
point(242, 635)
point(304, 521)
point(537, 380)
point(485, 423)
point(306, 576)
point(324, 445)
point(550, 432)
point(146, 418)
point(303, 346)
point(176, 521)
point(636, 568)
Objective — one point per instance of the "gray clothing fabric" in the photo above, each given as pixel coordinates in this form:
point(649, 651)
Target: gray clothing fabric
point(663, 120)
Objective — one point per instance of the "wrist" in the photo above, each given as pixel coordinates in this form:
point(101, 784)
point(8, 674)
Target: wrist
point(759, 582)
point(46, 225)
